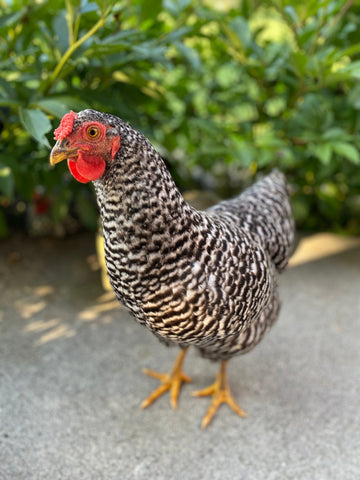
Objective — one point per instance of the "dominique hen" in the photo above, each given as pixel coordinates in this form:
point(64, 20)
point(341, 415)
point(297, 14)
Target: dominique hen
point(203, 279)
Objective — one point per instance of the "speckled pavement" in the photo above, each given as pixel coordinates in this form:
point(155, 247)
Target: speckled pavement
point(71, 381)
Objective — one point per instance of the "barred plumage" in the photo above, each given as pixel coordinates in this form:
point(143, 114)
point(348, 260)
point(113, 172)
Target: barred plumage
point(193, 278)
point(207, 279)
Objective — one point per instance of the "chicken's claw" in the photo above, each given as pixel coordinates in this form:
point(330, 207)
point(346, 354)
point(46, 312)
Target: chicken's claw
point(220, 391)
point(169, 381)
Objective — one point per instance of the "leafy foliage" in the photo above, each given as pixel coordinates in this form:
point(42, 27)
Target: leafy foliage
point(223, 94)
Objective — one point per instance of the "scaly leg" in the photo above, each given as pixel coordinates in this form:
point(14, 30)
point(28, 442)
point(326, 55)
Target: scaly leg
point(169, 381)
point(220, 391)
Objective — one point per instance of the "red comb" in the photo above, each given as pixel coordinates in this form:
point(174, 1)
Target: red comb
point(66, 126)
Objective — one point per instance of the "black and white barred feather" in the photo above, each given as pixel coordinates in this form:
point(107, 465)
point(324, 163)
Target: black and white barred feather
point(207, 279)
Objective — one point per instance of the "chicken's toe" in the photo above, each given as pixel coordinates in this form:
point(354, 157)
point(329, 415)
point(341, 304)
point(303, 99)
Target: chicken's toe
point(169, 381)
point(220, 391)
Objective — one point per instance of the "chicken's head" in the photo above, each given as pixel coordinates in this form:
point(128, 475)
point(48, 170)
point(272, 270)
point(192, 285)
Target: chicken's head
point(87, 144)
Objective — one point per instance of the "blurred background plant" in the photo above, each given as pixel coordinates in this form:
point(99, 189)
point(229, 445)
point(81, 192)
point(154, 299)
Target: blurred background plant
point(224, 90)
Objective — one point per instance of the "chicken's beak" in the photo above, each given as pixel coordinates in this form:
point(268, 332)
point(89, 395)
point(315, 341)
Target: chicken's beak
point(61, 151)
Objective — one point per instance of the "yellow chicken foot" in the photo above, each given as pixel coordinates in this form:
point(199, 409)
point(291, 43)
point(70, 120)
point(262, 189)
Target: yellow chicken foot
point(220, 391)
point(169, 381)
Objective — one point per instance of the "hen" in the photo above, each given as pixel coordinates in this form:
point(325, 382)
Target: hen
point(203, 279)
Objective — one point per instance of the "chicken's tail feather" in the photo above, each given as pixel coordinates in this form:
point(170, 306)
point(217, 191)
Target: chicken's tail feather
point(264, 212)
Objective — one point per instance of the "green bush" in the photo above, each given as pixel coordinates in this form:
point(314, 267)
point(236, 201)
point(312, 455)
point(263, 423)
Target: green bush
point(223, 94)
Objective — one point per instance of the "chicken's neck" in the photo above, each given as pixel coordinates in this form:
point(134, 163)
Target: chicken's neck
point(144, 218)
point(141, 208)
point(140, 197)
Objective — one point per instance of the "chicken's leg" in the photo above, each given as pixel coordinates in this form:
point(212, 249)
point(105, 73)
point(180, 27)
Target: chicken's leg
point(220, 391)
point(169, 381)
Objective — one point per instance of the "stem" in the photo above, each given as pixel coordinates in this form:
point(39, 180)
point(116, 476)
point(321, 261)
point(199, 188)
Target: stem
point(341, 13)
point(74, 46)
point(77, 26)
point(315, 39)
point(70, 20)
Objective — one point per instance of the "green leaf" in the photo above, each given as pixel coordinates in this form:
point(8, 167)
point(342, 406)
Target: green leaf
point(60, 29)
point(7, 88)
point(120, 39)
point(299, 61)
point(178, 34)
point(175, 7)
point(290, 12)
point(348, 151)
point(7, 182)
point(150, 9)
point(274, 106)
point(190, 55)
point(241, 27)
point(9, 102)
point(88, 7)
point(334, 133)
point(354, 97)
point(60, 105)
point(11, 18)
point(353, 69)
point(323, 151)
point(36, 123)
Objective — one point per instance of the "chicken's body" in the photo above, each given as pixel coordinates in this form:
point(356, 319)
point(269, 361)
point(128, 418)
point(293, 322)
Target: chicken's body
point(206, 279)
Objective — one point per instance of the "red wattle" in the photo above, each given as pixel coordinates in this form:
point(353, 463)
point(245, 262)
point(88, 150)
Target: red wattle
point(87, 167)
point(74, 171)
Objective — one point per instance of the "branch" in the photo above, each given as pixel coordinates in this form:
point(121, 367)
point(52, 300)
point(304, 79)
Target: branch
point(72, 48)
point(341, 13)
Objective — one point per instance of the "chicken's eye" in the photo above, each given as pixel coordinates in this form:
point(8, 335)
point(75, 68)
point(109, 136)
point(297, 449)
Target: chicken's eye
point(92, 132)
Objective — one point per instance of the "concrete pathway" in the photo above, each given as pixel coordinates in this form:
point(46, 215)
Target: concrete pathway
point(71, 381)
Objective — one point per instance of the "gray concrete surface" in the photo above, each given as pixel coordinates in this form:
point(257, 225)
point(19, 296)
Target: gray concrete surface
point(71, 381)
